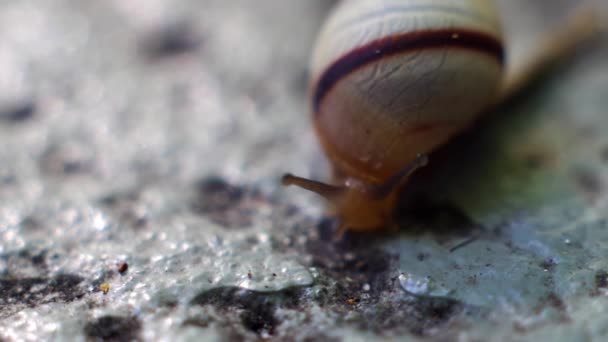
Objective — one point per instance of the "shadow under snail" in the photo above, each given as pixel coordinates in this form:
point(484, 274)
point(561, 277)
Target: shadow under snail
point(392, 80)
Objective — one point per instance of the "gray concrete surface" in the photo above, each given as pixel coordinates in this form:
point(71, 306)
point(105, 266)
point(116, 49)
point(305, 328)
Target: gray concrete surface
point(154, 133)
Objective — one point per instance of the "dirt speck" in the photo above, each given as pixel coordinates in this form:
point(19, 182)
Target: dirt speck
point(548, 265)
point(113, 328)
point(127, 207)
point(68, 158)
point(230, 205)
point(601, 279)
point(18, 112)
point(171, 40)
point(589, 183)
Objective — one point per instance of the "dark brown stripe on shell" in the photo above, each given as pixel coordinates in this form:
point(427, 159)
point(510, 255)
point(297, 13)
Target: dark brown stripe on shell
point(404, 43)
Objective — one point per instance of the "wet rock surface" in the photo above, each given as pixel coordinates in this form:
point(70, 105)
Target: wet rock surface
point(142, 147)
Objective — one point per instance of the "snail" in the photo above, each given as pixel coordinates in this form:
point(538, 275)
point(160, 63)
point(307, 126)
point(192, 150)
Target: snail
point(392, 80)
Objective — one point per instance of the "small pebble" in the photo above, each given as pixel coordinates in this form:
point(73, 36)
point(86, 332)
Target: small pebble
point(123, 267)
point(105, 288)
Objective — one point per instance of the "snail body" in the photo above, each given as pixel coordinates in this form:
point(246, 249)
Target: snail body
point(391, 81)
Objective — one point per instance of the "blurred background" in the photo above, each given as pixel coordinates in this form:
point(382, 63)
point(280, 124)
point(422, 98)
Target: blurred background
point(154, 132)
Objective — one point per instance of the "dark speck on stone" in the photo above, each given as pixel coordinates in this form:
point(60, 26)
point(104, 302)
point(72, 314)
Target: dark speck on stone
point(18, 112)
point(548, 265)
point(601, 279)
point(229, 205)
point(555, 301)
point(589, 182)
point(68, 158)
point(171, 40)
point(260, 321)
point(216, 194)
point(116, 199)
point(113, 328)
point(127, 207)
point(32, 223)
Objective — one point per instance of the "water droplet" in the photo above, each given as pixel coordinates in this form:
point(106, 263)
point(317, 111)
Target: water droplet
point(413, 284)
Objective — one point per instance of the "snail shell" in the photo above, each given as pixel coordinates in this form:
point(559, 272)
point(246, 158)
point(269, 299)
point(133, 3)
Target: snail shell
point(393, 79)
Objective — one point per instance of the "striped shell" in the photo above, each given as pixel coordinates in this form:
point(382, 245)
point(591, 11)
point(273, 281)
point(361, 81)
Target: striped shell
point(395, 78)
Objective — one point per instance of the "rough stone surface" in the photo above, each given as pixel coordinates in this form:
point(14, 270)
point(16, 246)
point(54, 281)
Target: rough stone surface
point(142, 143)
